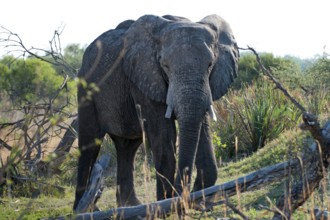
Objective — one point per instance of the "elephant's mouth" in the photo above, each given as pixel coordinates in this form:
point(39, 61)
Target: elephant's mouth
point(210, 111)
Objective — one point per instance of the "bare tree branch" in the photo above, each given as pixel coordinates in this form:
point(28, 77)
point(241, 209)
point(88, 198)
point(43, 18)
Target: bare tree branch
point(13, 40)
point(5, 145)
point(236, 210)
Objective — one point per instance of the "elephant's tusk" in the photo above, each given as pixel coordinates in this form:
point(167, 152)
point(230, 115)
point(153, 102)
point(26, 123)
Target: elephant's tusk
point(169, 111)
point(212, 113)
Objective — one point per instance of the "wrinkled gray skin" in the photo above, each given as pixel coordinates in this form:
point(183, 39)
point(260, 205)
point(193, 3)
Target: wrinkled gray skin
point(171, 67)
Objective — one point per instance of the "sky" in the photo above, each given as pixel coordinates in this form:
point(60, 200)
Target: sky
point(283, 27)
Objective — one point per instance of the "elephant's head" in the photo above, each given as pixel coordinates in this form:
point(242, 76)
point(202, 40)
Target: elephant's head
point(184, 64)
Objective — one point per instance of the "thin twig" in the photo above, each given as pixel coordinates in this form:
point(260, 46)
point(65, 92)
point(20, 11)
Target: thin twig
point(236, 210)
point(4, 144)
point(13, 40)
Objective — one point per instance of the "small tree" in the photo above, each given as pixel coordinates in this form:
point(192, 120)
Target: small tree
point(42, 102)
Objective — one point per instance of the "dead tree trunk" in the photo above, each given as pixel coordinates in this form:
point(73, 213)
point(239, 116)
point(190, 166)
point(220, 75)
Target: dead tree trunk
point(66, 142)
point(313, 168)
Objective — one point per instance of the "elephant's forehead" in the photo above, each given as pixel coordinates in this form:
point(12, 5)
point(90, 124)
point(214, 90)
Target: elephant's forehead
point(178, 30)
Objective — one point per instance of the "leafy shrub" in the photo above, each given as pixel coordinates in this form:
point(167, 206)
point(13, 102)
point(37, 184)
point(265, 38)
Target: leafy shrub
point(255, 115)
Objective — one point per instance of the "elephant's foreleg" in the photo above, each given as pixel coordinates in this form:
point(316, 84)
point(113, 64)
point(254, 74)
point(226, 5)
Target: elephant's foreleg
point(126, 150)
point(205, 160)
point(89, 132)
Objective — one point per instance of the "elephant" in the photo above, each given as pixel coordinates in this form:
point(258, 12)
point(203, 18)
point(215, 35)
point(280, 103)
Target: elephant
point(167, 70)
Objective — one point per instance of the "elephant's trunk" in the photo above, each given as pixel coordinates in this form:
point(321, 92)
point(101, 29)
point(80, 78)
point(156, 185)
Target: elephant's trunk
point(190, 111)
point(189, 132)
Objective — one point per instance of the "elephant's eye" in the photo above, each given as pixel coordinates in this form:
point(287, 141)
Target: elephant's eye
point(164, 75)
point(163, 64)
point(165, 67)
point(210, 66)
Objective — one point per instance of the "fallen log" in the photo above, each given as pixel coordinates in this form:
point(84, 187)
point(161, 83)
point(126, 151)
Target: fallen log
point(245, 183)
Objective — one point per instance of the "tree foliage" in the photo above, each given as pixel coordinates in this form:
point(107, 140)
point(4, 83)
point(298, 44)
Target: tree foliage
point(319, 73)
point(29, 80)
point(316, 85)
point(248, 69)
point(73, 54)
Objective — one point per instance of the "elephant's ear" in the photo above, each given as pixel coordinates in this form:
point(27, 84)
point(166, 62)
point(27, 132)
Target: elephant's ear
point(141, 59)
point(225, 69)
